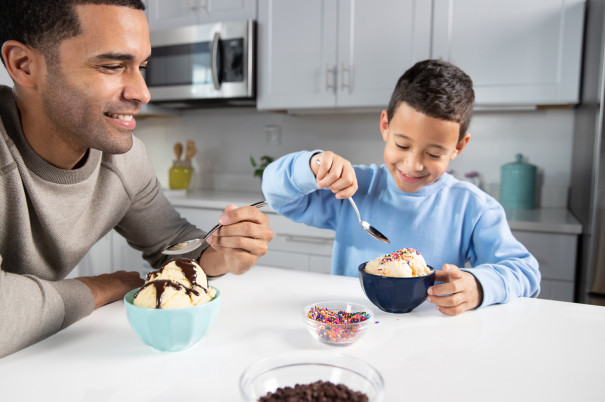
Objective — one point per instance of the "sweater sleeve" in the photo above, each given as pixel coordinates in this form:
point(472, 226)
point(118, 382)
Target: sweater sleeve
point(501, 264)
point(32, 309)
point(290, 187)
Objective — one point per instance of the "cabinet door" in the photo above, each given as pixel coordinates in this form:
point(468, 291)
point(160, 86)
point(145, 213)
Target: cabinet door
point(127, 258)
point(377, 41)
point(517, 52)
point(556, 255)
point(163, 14)
point(296, 54)
point(226, 10)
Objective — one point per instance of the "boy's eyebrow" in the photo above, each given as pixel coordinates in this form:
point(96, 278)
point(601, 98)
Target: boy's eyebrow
point(441, 147)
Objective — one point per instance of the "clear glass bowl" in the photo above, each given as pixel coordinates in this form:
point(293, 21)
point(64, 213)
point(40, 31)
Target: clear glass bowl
point(307, 366)
point(338, 334)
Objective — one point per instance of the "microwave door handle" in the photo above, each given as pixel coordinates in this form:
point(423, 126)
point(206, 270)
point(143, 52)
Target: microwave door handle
point(215, 79)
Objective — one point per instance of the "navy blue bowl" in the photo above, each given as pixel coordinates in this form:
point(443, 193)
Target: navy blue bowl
point(395, 295)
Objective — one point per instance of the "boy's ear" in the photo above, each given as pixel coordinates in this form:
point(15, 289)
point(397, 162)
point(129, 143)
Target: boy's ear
point(21, 62)
point(384, 124)
point(461, 145)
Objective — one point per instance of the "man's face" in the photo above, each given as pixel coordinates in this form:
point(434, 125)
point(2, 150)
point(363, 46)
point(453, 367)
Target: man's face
point(91, 95)
point(418, 148)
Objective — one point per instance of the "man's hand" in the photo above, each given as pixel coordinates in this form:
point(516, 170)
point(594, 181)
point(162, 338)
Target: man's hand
point(334, 172)
point(460, 292)
point(108, 288)
point(236, 246)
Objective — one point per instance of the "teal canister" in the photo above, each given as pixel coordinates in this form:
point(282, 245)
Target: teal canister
point(518, 184)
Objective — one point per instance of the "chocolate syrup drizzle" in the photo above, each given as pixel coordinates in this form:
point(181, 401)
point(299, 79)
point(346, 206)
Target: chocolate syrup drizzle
point(187, 267)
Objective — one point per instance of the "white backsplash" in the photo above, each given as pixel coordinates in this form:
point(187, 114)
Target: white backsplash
point(226, 138)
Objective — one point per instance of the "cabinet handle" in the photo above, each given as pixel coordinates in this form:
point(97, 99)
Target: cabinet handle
point(345, 76)
point(215, 78)
point(191, 4)
point(306, 239)
point(329, 72)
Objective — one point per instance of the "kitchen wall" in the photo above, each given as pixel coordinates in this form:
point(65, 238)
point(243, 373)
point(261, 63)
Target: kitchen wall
point(226, 138)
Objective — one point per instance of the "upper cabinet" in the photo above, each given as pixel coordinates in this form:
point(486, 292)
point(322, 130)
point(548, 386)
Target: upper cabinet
point(517, 52)
point(326, 53)
point(163, 14)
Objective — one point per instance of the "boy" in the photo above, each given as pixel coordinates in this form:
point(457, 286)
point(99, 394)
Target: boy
point(411, 198)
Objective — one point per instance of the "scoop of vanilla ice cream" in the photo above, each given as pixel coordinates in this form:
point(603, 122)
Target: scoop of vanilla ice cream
point(402, 263)
point(179, 283)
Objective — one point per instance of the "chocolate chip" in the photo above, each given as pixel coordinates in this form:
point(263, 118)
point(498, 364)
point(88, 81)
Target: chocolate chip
point(318, 391)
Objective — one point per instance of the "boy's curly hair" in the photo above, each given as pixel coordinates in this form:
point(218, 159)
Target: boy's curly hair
point(437, 89)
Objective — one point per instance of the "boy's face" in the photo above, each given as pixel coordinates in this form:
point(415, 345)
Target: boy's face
point(418, 148)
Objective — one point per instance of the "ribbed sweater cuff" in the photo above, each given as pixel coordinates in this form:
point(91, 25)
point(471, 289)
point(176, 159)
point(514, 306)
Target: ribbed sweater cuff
point(77, 300)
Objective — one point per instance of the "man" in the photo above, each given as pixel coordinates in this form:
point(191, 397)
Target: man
point(71, 170)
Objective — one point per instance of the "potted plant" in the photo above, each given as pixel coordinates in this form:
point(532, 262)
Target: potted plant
point(260, 166)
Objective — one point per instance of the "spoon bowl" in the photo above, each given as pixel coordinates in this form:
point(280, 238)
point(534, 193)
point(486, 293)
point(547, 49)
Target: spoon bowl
point(371, 230)
point(183, 247)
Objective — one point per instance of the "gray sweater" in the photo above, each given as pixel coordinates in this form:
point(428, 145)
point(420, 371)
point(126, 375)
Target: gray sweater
point(50, 218)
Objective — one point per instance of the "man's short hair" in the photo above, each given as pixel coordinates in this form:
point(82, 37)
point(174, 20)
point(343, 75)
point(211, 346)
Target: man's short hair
point(44, 24)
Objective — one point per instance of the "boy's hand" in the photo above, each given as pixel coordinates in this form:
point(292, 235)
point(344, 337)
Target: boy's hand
point(460, 292)
point(334, 172)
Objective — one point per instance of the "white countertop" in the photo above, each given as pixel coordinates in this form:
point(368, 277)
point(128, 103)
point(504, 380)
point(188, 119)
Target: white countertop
point(553, 220)
point(526, 350)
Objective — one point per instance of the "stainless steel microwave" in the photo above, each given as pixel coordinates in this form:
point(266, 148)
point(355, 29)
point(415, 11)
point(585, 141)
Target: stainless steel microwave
point(203, 65)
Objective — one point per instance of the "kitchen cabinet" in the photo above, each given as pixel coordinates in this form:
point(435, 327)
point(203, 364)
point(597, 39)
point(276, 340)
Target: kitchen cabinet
point(111, 253)
point(556, 254)
point(324, 53)
point(163, 14)
point(517, 52)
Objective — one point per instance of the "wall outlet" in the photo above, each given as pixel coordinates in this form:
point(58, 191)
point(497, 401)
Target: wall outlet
point(273, 134)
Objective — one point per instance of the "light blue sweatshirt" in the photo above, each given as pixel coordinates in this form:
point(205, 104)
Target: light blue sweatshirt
point(448, 222)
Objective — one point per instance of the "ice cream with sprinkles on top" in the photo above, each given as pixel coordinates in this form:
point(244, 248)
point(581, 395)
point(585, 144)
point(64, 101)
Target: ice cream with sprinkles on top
point(404, 263)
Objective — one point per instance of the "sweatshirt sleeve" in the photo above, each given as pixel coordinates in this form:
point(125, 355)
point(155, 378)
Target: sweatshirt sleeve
point(32, 309)
point(290, 187)
point(502, 265)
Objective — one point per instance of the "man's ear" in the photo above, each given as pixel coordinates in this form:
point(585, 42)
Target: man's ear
point(461, 145)
point(22, 62)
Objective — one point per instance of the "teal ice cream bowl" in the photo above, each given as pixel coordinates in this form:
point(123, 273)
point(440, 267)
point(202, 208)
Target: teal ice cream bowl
point(172, 330)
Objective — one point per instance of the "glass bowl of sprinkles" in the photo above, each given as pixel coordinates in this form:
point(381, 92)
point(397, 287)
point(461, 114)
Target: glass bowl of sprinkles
point(337, 323)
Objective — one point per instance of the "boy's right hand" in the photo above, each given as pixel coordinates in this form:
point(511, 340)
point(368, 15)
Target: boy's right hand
point(334, 172)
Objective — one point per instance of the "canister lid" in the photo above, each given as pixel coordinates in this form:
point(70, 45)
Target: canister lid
point(518, 164)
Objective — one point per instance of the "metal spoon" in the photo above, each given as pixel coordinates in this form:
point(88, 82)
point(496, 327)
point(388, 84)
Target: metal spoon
point(371, 230)
point(367, 227)
point(190, 245)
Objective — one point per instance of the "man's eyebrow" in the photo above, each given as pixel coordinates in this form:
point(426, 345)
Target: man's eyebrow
point(116, 56)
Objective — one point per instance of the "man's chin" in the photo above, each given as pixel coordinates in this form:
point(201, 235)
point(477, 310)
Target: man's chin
point(119, 147)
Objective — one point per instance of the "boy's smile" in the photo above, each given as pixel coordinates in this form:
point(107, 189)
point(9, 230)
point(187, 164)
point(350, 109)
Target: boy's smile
point(418, 148)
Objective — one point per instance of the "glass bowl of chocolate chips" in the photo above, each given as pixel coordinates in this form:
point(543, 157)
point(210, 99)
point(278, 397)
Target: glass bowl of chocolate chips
point(311, 375)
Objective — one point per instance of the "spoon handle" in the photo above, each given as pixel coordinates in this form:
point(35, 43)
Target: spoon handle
point(216, 227)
